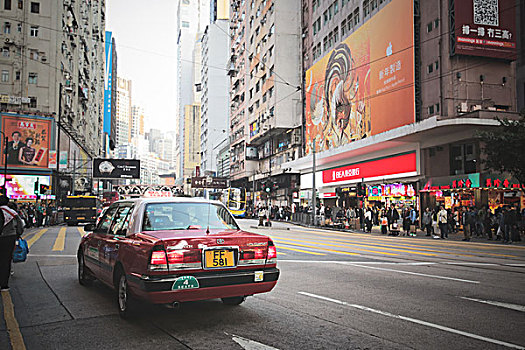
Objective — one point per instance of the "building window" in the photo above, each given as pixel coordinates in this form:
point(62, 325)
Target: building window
point(33, 32)
point(343, 28)
point(336, 7)
point(437, 108)
point(5, 52)
point(366, 8)
point(436, 23)
point(356, 16)
point(32, 102)
point(5, 76)
point(463, 159)
point(20, 4)
point(436, 65)
point(33, 78)
point(431, 110)
point(17, 75)
point(429, 27)
point(7, 28)
point(336, 35)
point(7, 4)
point(185, 24)
point(430, 68)
point(35, 7)
point(325, 16)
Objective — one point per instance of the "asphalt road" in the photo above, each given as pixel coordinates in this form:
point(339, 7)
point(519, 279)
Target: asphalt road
point(337, 290)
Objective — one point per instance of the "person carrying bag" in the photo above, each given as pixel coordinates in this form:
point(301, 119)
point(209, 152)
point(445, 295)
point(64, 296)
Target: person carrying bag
point(11, 227)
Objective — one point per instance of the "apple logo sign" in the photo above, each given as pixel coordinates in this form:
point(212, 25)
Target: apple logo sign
point(389, 49)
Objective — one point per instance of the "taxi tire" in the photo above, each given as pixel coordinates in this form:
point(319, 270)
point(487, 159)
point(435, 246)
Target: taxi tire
point(125, 304)
point(84, 277)
point(233, 301)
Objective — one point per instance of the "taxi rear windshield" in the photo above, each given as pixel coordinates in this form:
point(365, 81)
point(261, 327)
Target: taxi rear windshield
point(187, 216)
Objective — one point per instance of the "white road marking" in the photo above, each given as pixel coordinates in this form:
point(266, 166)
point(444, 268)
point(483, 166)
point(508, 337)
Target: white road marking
point(358, 262)
point(469, 263)
point(498, 303)
point(52, 256)
point(414, 320)
point(515, 265)
point(419, 274)
point(251, 344)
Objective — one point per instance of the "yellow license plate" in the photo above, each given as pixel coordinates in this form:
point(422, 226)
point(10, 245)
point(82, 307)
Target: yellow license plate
point(81, 217)
point(217, 258)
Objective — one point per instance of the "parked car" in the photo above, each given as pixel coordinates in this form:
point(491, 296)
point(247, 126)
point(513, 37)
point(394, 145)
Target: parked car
point(172, 250)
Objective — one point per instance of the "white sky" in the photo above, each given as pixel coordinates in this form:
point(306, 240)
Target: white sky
point(145, 35)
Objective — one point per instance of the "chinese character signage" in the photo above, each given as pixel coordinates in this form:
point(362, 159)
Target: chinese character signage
point(399, 165)
point(209, 182)
point(28, 141)
point(365, 84)
point(485, 28)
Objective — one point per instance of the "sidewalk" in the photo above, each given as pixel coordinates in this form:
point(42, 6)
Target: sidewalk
point(376, 231)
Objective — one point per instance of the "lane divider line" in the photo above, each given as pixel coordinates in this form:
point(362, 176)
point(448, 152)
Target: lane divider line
point(317, 248)
point(60, 240)
point(414, 320)
point(36, 237)
point(297, 250)
point(498, 303)
point(418, 274)
point(13, 329)
point(81, 231)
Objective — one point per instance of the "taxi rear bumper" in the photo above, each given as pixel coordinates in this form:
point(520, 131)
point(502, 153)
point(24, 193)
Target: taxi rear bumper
point(210, 286)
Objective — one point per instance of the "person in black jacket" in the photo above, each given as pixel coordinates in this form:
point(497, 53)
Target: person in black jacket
point(393, 216)
point(11, 227)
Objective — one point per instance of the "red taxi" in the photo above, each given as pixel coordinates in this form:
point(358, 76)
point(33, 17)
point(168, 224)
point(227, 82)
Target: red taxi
point(167, 251)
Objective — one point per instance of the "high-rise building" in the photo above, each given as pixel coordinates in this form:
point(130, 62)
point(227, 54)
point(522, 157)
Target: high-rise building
point(394, 98)
point(48, 44)
point(192, 18)
point(123, 116)
point(214, 80)
point(266, 107)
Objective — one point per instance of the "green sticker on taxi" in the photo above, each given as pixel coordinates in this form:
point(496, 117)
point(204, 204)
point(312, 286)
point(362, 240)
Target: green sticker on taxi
point(185, 282)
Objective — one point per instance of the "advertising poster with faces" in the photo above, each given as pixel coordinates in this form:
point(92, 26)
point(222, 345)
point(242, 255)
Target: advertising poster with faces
point(28, 141)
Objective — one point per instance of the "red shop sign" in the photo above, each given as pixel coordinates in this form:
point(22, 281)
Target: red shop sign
point(405, 163)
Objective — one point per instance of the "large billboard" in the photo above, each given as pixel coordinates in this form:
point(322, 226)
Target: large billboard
point(365, 85)
point(23, 186)
point(108, 75)
point(28, 141)
point(116, 168)
point(485, 28)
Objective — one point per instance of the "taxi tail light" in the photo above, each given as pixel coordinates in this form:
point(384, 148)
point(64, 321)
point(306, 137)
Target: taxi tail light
point(158, 260)
point(259, 253)
point(272, 253)
point(183, 256)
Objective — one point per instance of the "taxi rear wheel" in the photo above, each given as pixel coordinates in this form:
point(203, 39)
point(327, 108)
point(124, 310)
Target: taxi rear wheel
point(84, 277)
point(124, 301)
point(233, 300)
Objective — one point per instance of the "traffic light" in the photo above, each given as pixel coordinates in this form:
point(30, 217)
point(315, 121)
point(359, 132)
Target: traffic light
point(268, 186)
point(360, 189)
point(44, 188)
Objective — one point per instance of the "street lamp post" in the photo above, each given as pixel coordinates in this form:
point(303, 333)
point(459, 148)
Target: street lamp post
point(314, 199)
point(5, 161)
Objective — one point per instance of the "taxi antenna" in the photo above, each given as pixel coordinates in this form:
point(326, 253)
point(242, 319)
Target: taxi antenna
point(208, 226)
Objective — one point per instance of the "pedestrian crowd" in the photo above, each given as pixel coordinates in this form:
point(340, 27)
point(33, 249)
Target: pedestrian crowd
point(505, 224)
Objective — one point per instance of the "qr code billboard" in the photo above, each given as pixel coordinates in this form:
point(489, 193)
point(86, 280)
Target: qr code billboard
point(486, 12)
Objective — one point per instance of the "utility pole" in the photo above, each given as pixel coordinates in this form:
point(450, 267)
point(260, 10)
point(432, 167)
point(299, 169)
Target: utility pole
point(314, 189)
point(57, 180)
point(74, 172)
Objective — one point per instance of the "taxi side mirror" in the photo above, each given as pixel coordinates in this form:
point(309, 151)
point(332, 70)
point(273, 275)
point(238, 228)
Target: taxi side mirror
point(89, 228)
point(122, 232)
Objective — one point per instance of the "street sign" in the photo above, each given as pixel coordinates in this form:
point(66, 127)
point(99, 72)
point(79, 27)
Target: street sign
point(209, 182)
